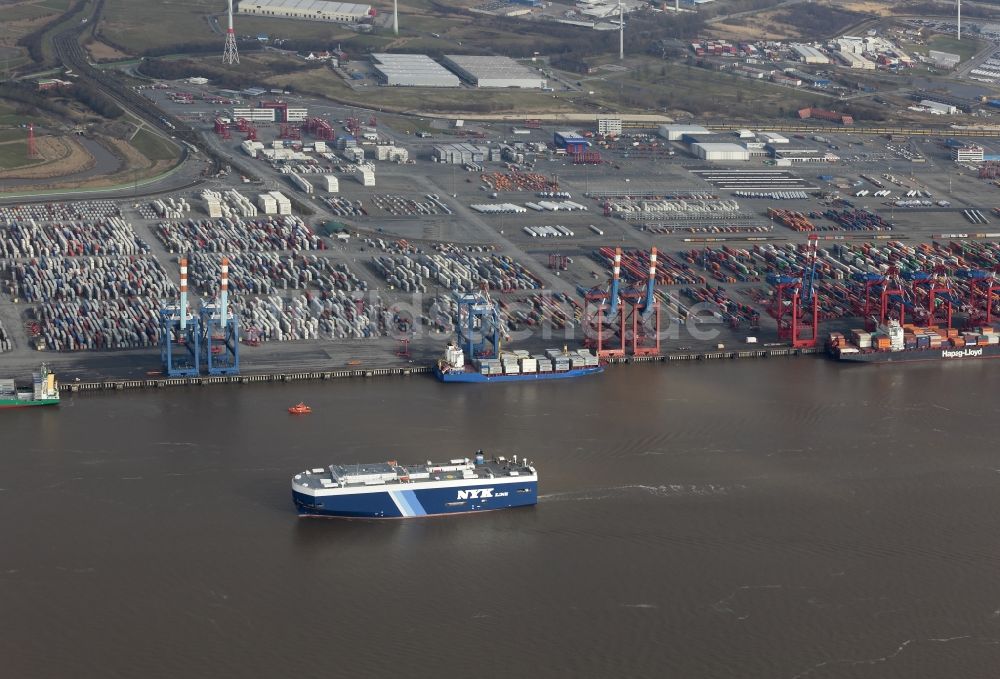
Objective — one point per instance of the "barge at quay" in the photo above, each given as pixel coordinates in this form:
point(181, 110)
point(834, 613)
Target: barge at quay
point(389, 490)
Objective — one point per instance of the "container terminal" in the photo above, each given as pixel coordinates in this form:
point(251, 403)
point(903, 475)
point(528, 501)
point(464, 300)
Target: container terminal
point(321, 250)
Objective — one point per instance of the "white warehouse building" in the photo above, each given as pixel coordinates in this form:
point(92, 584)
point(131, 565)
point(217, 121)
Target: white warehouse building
point(412, 70)
point(809, 54)
point(723, 151)
point(493, 72)
point(309, 10)
point(674, 131)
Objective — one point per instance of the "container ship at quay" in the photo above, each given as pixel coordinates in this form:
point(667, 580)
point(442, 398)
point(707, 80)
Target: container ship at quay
point(516, 366)
point(476, 355)
point(388, 490)
point(897, 343)
point(44, 391)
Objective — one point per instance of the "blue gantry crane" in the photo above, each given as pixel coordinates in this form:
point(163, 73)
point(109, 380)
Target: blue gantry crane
point(179, 335)
point(221, 331)
point(478, 326)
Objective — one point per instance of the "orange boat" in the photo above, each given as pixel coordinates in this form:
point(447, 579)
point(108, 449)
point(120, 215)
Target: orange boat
point(300, 409)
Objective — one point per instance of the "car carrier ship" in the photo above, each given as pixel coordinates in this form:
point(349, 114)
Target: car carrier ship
point(893, 342)
point(389, 490)
point(44, 391)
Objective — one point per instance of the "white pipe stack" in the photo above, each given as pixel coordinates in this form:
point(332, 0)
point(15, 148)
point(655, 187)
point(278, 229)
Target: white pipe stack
point(184, 292)
point(224, 297)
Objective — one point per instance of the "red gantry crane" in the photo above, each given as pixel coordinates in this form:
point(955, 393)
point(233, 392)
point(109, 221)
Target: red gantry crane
point(604, 322)
point(794, 303)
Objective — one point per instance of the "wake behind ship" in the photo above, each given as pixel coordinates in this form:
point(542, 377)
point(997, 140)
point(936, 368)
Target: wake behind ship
point(388, 490)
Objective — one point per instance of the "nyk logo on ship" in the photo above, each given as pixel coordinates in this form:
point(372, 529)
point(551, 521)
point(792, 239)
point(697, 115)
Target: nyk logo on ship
point(478, 494)
point(961, 353)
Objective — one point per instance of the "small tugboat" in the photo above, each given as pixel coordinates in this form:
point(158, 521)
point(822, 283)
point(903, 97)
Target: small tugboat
point(300, 409)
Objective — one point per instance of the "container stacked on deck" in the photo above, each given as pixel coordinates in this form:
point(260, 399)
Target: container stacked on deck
point(921, 338)
point(522, 362)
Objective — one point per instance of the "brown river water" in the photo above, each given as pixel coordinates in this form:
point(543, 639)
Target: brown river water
point(769, 518)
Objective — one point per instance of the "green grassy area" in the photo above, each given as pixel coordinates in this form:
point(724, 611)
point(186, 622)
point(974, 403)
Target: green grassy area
point(289, 28)
point(14, 154)
point(153, 146)
point(966, 48)
point(658, 86)
point(407, 124)
point(138, 25)
point(9, 117)
point(22, 12)
point(57, 5)
point(12, 134)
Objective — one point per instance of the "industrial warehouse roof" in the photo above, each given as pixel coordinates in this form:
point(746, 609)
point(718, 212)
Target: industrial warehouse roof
point(306, 7)
point(493, 71)
point(415, 70)
point(722, 146)
point(675, 131)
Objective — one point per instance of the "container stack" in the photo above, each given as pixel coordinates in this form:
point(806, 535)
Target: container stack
point(238, 235)
point(862, 339)
point(80, 210)
point(300, 183)
point(171, 208)
point(103, 236)
point(266, 273)
point(365, 175)
point(213, 203)
point(455, 270)
point(240, 204)
point(85, 303)
point(334, 315)
point(267, 204)
point(283, 203)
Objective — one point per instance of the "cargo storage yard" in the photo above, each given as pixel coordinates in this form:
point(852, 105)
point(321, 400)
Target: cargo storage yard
point(345, 241)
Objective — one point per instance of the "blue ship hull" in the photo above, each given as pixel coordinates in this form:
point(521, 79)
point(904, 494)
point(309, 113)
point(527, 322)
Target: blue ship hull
point(412, 501)
point(475, 377)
